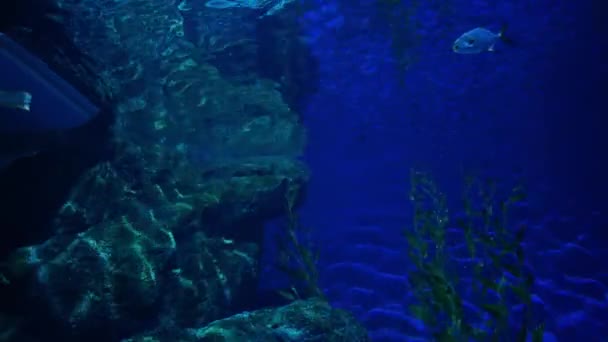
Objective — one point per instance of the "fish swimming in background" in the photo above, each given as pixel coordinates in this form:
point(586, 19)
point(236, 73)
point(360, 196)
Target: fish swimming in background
point(16, 100)
point(38, 108)
point(478, 40)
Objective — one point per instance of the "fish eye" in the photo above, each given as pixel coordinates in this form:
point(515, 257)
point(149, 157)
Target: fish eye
point(471, 41)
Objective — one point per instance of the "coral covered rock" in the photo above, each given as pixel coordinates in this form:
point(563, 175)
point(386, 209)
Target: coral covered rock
point(310, 320)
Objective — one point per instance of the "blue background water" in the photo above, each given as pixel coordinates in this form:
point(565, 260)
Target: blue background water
point(531, 110)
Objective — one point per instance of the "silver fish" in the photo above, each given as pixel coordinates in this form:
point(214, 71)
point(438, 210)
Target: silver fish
point(39, 110)
point(15, 100)
point(477, 40)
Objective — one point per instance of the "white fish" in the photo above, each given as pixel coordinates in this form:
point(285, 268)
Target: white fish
point(38, 109)
point(15, 100)
point(478, 40)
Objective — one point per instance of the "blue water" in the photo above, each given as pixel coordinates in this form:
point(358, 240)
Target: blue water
point(121, 248)
point(531, 110)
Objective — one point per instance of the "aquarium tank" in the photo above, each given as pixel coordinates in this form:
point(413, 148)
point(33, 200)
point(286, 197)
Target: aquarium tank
point(303, 171)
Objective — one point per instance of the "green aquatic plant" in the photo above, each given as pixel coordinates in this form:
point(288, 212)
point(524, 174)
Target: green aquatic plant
point(298, 257)
point(494, 266)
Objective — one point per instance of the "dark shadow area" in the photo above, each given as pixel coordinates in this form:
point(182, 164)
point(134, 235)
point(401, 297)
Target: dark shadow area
point(285, 58)
point(576, 117)
point(38, 26)
point(34, 188)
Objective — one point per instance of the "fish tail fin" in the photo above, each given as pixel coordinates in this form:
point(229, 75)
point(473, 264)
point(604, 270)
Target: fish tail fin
point(16, 99)
point(505, 38)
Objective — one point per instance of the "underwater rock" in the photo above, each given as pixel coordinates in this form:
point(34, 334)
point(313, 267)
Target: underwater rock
point(167, 90)
point(304, 320)
point(118, 276)
point(212, 118)
point(169, 226)
point(134, 247)
point(32, 196)
point(229, 199)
